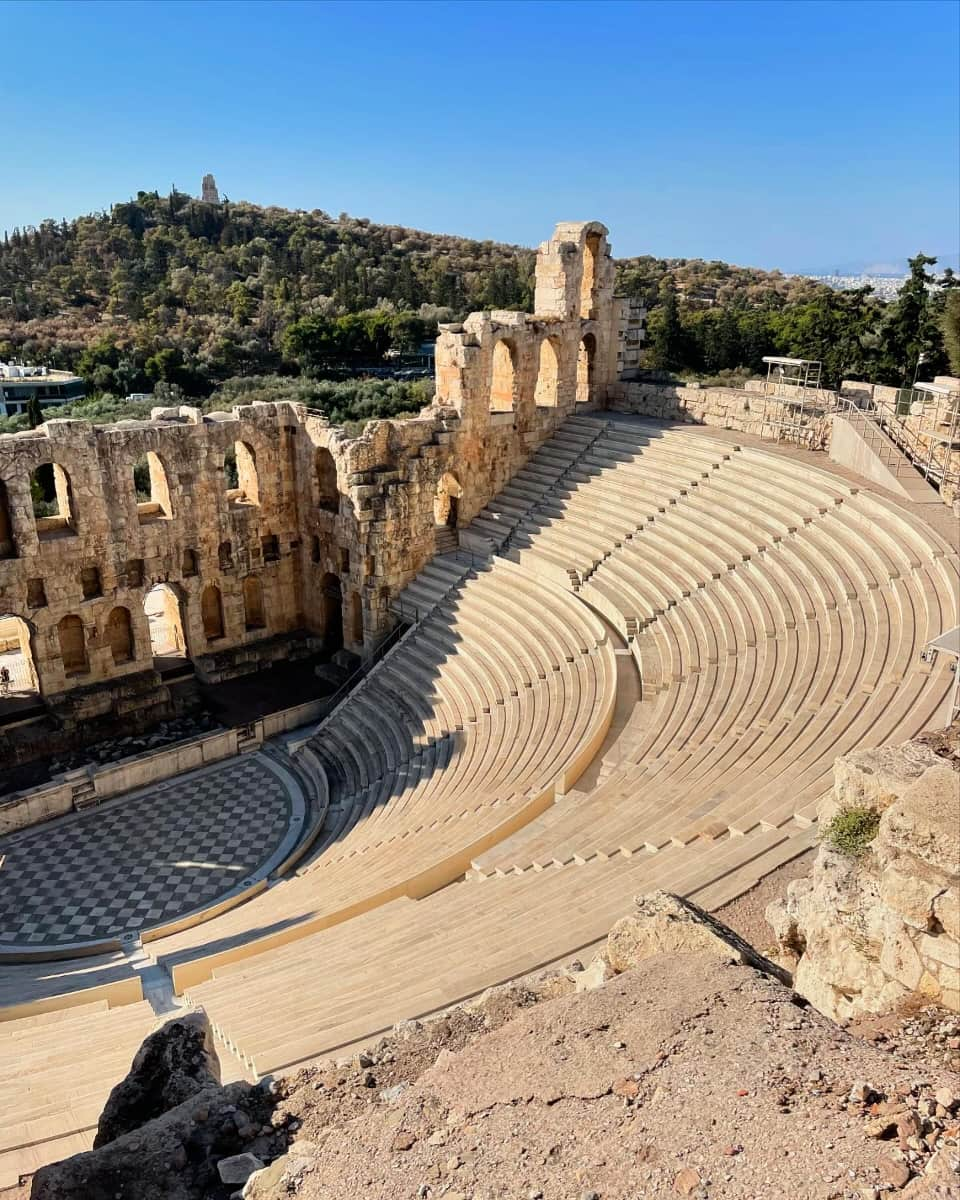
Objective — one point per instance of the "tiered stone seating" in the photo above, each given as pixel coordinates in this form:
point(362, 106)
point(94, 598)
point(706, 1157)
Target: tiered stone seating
point(37, 986)
point(295, 1003)
point(780, 614)
point(56, 1070)
point(704, 626)
point(460, 736)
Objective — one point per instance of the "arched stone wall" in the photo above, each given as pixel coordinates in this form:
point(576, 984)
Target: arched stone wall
point(310, 501)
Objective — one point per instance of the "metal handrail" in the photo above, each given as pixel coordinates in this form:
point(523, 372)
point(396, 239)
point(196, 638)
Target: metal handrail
point(877, 436)
point(379, 653)
point(914, 453)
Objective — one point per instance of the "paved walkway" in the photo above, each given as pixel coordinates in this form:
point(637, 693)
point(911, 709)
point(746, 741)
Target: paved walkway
point(148, 857)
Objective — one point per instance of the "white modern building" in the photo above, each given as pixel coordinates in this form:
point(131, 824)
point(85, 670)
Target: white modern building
point(20, 383)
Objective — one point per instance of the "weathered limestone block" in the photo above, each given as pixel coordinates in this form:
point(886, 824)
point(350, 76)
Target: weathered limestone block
point(923, 822)
point(664, 923)
point(866, 932)
point(875, 778)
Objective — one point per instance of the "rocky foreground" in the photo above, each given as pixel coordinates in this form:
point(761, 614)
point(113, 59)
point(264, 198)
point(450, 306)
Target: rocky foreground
point(676, 1064)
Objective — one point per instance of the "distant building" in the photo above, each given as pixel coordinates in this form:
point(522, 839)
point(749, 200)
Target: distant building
point(19, 384)
point(208, 191)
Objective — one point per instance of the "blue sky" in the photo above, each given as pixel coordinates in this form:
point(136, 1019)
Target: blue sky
point(799, 135)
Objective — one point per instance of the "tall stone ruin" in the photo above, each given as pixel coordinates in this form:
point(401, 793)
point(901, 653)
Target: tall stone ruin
point(208, 191)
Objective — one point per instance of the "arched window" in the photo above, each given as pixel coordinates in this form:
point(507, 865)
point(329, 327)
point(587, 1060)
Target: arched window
point(153, 491)
point(225, 556)
point(585, 357)
point(253, 603)
point(17, 657)
point(120, 635)
point(503, 376)
point(164, 617)
point(8, 547)
point(52, 500)
point(240, 474)
point(211, 611)
point(446, 500)
point(328, 493)
point(331, 612)
point(588, 281)
point(188, 567)
point(548, 374)
point(73, 646)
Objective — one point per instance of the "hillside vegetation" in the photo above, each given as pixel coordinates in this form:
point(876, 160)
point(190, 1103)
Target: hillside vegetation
point(169, 294)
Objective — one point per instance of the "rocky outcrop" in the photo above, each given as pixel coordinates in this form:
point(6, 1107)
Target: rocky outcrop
point(682, 1067)
point(169, 1131)
point(176, 1156)
point(173, 1065)
point(864, 932)
point(663, 923)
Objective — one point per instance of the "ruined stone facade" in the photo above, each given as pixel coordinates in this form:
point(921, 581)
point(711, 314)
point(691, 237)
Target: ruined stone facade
point(226, 541)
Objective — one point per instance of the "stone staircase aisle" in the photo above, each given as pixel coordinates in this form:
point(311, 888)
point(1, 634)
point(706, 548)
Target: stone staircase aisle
point(533, 487)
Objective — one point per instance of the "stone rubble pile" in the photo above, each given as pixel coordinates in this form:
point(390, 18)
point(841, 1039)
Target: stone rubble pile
point(113, 749)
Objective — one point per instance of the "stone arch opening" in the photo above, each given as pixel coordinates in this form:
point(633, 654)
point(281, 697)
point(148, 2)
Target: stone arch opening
point(331, 611)
point(120, 635)
point(152, 489)
point(588, 281)
point(52, 496)
point(211, 612)
point(225, 556)
point(253, 603)
point(188, 566)
point(73, 645)
point(240, 474)
point(315, 554)
point(8, 545)
point(355, 609)
point(446, 502)
point(548, 374)
point(328, 492)
point(503, 376)
point(586, 355)
point(16, 657)
point(165, 620)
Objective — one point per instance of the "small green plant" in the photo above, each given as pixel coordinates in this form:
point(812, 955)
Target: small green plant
point(852, 830)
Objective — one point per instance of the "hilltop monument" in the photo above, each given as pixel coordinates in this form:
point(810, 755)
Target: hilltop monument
point(208, 190)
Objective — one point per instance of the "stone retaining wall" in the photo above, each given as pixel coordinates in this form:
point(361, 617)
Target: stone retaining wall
point(744, 409)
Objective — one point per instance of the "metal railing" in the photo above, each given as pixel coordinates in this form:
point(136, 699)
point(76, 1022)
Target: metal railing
point(380, 651)
point(867, 422)
point(927, 447)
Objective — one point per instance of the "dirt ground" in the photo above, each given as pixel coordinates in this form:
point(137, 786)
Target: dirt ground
point(745, 915)
point(689, 1076)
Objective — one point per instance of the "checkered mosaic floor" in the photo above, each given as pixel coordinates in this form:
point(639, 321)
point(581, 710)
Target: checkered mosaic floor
point(139, 861)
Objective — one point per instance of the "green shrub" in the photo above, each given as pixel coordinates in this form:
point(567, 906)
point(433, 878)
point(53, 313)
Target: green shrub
point(852, 830)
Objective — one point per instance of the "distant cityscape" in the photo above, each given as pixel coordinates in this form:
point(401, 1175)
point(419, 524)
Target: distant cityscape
point(885, 287)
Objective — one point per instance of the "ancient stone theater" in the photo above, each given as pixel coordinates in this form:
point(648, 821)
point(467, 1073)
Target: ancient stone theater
point(597, 638)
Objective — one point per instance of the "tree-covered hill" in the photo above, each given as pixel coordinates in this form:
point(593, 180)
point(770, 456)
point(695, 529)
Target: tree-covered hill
point(168, 290)
point(217, 286)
